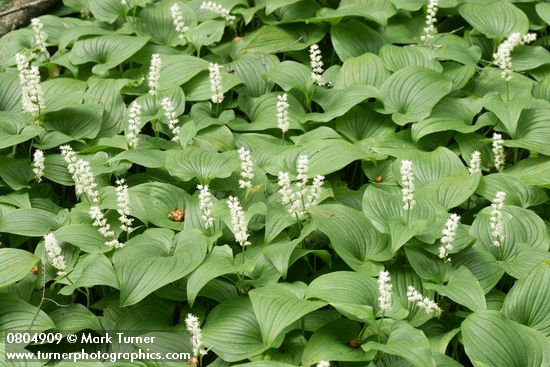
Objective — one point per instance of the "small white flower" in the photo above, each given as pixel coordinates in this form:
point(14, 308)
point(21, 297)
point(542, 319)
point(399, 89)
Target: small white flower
point(171, 117)
point(429, 29)
point(104, 228)
point(475, 163)
point(323, 364)
point(495, 222)
point(206, 205)
point(38, 164)
point(316, 61)
point(282, 112)
point(503, 56)
point(123, 206)
point(247, 168)
point(134, 122)
point(216, 83)
point(81, 173)
point(154, 74)
point(302, 166)
point(39, 35)
point(214, 7)
point(498, 152)
point(315, 190)
point(407, 185)
point(285, 188)
point(194, 328)
point(54, 253)
point(425, 303)
point(32, 96)
point(238, 221)
point(384, 291)
point(448, 235)
point(177, 19)
point(124, 2)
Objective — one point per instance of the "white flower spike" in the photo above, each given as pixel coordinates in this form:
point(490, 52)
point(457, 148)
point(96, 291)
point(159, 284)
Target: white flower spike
point(214, 7)
point(475, 163)
point(123, 206)
point(32, 96)
point(194, 328)
point(38, 164)
point(422, 302)
point(495, 222)
point(154, 74)
point(238, 221)
point(177, 19)
point(282, 112)
point(39, 35)
point(171, 117)
point(216, 83)
point(316, 61)
point(503, 56)
point(54, 253)
point(498, 152)
point(247, 168)
point(407, 185)
point(206, 205)
point(384, 291)
point(448, 235)
point(134, 122)
point(429, 29)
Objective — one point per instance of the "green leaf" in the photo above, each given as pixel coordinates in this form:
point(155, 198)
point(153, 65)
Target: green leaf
point(365, 69)
point(396, 58)
point(75, 317)
point(335, 103)
point(271, 39)
point(406, 342)
point(106, 94)
point(347, 291)
point(532, 131)
point(198, 88)
point(154, 259)
point(179, 69)
point(375, 10)
point(261, 111)
point(10, 91)
point(278, 306)
point(217, 263)
point(276, 220)
point(481, 264)
point(107, 10)
point(495, 19)
point(527, 302)
point(84, 236)
point(155, 21)
point(291, 74)
point(28, 222)
point(272, 5)
point(543, 11)
point(450, 192)
point(197, 163)
point(75, 122)
point(105, 51)
point(14, 129)
point(354, 38)
point(91, 270)
point(232, 331)
point(330, 342)
point(17, 264)
point(349, 232)
point(253, 70)
point(517, 193)
point(207, 33)
point(491, 339)
point(463, 288)
point(16, 314)
point(15, 173)
point(411, 93)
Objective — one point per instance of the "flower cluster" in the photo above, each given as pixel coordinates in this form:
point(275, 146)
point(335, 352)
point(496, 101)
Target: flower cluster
point(475, 163)
point(54, 253)
point(407, 185)
point(216, 83)
point(304, 197)
point(316, 61)
point(38, 164)
point(154, 74)
point(32, 96)
point(177, 19)
point(323, 364)
point(123, 206)
point(449, 234)
point(39, 35)
point(384, 291)
point(429, 29)
point(214, 7)
point(498, 151)
point(238, 221)
point(247, 168)
point(495, 222)
point(194, 328)
point(503, 56)
point(282, 112)
point(134, 122)
point(170, 114)
point(423, 302)
point(83, 178)
point(206, 205)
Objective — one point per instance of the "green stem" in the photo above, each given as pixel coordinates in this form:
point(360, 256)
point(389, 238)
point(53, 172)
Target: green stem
point(380, 326)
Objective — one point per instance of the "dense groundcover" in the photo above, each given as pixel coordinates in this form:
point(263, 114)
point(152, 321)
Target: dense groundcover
point(360, 183)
